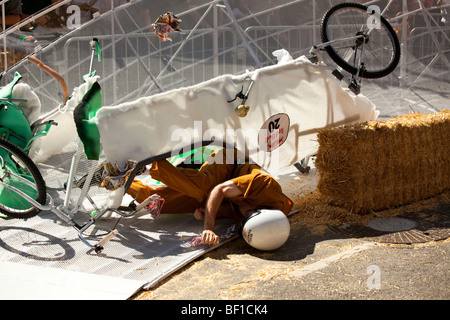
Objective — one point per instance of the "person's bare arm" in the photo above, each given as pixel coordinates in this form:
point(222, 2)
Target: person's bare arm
point(224, 190)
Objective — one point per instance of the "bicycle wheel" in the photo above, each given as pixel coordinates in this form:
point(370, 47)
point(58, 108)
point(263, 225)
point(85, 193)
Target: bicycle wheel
point(381, 48)
point(19, 171)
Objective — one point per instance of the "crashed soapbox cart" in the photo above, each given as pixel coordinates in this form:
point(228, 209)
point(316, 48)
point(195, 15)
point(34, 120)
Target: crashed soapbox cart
point(290, 101)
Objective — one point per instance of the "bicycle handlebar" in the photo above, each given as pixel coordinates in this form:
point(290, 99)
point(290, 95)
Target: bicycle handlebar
point(54, 74)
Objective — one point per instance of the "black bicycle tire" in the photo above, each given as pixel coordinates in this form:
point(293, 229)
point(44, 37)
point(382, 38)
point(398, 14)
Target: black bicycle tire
point(341, 62)
point(36, 175)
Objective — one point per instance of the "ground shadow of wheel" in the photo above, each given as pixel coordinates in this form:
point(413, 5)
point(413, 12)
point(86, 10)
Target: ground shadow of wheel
point(33, 244)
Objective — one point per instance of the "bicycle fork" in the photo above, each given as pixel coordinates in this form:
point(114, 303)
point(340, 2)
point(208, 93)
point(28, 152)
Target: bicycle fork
point(354, 81)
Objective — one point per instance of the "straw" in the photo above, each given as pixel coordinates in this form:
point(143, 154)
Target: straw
point(384, 164)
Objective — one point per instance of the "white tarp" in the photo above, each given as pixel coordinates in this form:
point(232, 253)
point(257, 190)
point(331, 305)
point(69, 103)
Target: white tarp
point(65, 131)
point(296, 97)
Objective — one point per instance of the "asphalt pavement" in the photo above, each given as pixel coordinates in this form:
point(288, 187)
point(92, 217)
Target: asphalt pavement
point(398, 254)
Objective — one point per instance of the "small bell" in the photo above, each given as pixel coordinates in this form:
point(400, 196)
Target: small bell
point(242, 110)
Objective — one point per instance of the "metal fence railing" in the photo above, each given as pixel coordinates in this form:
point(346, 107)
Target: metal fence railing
point(220, 36)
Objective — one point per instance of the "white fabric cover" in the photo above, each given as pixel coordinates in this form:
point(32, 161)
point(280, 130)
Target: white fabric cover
point(32, 107)
point(60, 136)
point(310, 96)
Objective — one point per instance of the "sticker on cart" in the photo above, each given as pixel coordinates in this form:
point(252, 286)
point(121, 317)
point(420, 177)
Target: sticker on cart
point(274, 132)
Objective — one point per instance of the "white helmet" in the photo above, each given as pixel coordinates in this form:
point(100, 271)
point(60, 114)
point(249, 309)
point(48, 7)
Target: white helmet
point(266, 229)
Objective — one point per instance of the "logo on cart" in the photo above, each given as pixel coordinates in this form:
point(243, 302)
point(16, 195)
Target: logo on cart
point(274, 132)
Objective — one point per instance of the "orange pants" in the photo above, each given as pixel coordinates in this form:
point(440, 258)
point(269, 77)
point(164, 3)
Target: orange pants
point(187, 189)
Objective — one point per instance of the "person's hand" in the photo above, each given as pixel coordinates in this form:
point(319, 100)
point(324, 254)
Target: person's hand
point(209, 237)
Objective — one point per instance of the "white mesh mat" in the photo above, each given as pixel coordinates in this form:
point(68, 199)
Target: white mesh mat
point(145, 251)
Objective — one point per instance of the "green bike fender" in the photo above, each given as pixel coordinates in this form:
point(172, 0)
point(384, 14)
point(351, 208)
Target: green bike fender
point(85, 121)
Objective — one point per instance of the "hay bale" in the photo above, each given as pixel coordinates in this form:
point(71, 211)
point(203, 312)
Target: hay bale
point(378, 165)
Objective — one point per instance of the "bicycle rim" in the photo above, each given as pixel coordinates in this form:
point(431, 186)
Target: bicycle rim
point(19, 171)
point(381, 50)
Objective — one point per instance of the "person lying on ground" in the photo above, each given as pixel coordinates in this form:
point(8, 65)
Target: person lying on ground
point(227, 185)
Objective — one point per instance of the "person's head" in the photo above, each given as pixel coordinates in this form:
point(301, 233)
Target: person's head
point(265, 229)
